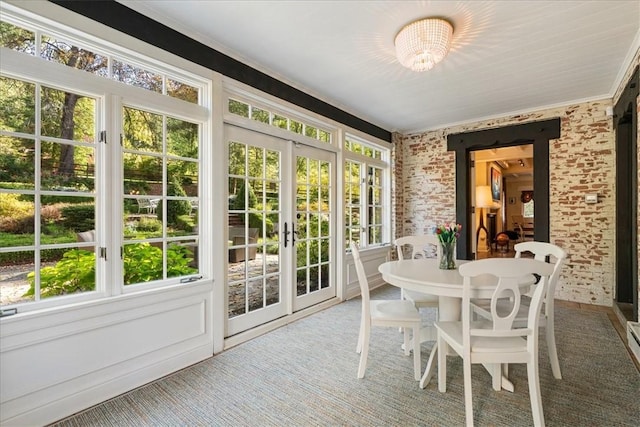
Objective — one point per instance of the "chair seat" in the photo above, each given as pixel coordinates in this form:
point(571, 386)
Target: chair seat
point(399, 310)
point(453, 330)
point(420, 298)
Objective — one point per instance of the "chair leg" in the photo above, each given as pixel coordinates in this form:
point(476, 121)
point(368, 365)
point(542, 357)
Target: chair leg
point(442, 364)
point(551, 348)
point(496, 376)
point(534, 393)
point(468, 399)
point(406, 341)
point(360, 333)
point(364, 351)
point(416, 353)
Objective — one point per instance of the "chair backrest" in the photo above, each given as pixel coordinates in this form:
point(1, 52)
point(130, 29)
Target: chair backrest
point(542, 250)
point(418, 244)
point(362, 277)
point(509, 272)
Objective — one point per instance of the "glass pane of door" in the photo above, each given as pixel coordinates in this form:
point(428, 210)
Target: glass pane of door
point(314, 216)
point(255, 273)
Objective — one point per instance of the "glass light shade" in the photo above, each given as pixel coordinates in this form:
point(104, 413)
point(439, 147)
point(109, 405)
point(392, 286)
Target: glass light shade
point(422, 44)
point(483, 197)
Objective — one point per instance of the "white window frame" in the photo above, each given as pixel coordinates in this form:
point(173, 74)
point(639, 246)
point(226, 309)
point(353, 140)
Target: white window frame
point(365, 163)
point(111, 95)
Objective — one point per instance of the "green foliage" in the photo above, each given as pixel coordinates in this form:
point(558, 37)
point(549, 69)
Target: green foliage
point(239, 203)
point(314, 250)
point(143, 262)
point(75, 272)
point(185, 222)
point(147, 225)
point(175, 208)
point(79, 217)
point(11, 205)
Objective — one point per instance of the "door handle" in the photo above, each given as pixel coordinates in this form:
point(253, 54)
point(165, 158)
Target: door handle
point(285, 234)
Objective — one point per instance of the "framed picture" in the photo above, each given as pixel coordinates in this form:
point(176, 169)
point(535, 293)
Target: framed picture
point(496, 184)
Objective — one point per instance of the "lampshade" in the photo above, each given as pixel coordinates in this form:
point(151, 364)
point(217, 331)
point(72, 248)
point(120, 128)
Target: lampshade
point(422, 44)
point(483, 196)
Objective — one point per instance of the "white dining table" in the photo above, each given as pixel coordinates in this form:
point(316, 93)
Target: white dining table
point(425, 275)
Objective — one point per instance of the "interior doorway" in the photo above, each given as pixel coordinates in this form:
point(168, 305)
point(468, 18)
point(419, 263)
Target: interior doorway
point(536, 133)
point(505, 215)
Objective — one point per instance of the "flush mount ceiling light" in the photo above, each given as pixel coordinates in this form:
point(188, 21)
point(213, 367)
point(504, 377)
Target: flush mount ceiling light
point(422, 44)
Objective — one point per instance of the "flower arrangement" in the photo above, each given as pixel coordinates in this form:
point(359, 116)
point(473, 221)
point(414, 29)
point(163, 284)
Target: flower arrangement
point(448, 233)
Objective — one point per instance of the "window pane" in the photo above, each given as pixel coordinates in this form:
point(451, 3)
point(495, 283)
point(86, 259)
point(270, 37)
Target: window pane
point(310, 131)
point(63, 219)
point(182, 91)
point(239, 108)
point(66, 53)
point(279, 121)
point(17, 105)
point(142, 262)
point(132, 76)
point(67, 115)
point(17, 221)
point(17, 38)
point(237, 158)
point(142, 130)
point(182, 138)
point(66, 167)
point(142, 174)
point(260, 115)
point(16, 268)
point(17, 157)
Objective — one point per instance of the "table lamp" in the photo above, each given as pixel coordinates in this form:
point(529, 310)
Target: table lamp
point(483, 200)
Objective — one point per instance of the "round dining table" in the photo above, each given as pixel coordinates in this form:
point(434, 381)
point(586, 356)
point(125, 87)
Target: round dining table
point(425, 275)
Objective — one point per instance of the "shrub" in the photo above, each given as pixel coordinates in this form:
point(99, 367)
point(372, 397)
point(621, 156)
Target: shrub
point(51, 213)
point(146, 224)
point(75, 272)
point(79, 217)
point(143, 262)
point(12, 206)
point(175, 208)
point(18, 225)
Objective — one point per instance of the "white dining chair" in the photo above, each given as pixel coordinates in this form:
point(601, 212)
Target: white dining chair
point(541, 251)
point(496, 342)
point(390, 313)
point(418, 244)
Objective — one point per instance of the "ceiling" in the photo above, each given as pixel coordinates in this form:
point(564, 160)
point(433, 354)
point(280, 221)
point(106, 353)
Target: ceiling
point(507, 56)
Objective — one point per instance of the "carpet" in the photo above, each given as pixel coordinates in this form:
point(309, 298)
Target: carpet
point(304, 374)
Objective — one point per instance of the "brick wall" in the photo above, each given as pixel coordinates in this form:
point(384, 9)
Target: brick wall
point(581, 161)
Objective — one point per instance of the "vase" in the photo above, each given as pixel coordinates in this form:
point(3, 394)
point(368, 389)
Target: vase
point(447, 261)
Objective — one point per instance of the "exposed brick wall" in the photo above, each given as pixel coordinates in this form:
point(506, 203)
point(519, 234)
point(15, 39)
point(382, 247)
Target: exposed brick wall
point(581, 161)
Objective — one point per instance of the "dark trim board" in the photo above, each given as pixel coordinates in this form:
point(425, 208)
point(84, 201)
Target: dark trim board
point(625, 124)
point(536, 133)
point(128, 21)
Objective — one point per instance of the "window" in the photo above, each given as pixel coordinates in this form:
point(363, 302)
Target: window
point(527, 209)
point(365, 180)
point(62, 162)
point(244, 109)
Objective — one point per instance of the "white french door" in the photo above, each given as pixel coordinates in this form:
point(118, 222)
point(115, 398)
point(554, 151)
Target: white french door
point(281, 224)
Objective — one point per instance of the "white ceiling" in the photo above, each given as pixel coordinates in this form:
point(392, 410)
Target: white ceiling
point(507, 56)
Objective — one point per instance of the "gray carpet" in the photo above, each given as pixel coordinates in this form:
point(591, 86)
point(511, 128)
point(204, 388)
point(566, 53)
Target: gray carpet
point(304, 374)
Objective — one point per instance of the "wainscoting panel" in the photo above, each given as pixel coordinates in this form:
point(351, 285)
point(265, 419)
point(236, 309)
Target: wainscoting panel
point(56, 368)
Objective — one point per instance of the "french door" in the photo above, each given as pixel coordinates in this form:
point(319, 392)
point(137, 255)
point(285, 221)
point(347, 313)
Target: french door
point(281, 228)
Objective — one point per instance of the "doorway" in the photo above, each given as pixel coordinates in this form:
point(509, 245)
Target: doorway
point(536, 133)
point(281, 228)
point(507, 216)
